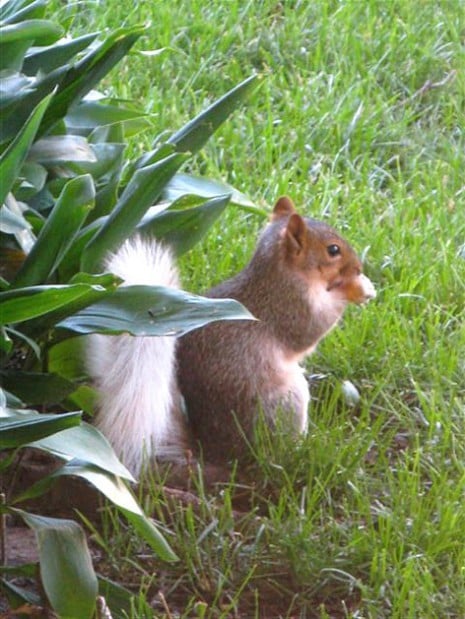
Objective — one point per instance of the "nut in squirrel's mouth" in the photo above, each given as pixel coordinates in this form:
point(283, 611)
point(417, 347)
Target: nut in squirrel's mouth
point(368, 288)
point(357, 290)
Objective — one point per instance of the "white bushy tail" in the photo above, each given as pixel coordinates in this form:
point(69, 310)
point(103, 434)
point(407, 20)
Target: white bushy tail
point(139, 410)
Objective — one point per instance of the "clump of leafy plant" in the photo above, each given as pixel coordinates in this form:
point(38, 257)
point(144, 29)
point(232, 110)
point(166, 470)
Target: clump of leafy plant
point(68, 196)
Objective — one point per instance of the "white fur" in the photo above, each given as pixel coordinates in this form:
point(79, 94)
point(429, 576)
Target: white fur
point(135, 376)
point(367, 287)
point(327, 308)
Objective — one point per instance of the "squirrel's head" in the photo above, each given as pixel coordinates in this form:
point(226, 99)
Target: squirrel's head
point(315, 251)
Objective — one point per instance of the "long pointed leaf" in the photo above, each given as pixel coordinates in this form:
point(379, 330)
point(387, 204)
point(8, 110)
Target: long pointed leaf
point(12, 54)
point(95, 292)
point(13, 157)
point(12, 222)
point(182, 185)
point(16, 38)
point(49, 58)
point(182, 229)
point(21, 427)
point(41, 31)
point(59, 231)
point(113, 488)
point(195, 133)
point(88, 115)
point(25, 238)
point(36, 387)
point(62, 149)
point(17, 102)
point(35, 301)
point(13, 11)
point(87, 444)
point(17, 596)
point(86, 73)
point(118, 599)
point(141, 192)
point(152, 310)
point(145, 527)
point(120, 495)
point(73, 257)
point(66, 568)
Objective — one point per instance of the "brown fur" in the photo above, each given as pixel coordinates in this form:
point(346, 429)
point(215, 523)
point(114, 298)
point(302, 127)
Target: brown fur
point(297, 289)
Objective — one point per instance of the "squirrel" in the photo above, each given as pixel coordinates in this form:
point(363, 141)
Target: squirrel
point(160, 397)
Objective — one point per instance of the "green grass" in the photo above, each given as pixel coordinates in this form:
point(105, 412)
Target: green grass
point(360, 118)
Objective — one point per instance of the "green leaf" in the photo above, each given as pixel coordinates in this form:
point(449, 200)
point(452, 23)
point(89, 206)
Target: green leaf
point(9, 400)
point(105, 280)
point(87, 72)
point(59, 231)
point(118, 599)
point(12, 83)
point(182, 185)
point(13, 157)
point(112, 133)
point(18, 428)
point(108, 484)
point(12, 222)
point(24, 236)
point(47, 59)
point(84, 398)
point(21, 336)
point(195, 133)
point(66, 568)
point(152, 310)
point(33, 178)
point(88, 115)
point(87, 444)
point(13, 11)
point(16, 38)
point(67, 359)
point(27, 303)
point(39, 31)
point(94, 293)
point(141, 192)
point(118, 493)
point(108, 164)
point(12, 54)
point(61, 149)
point(72, 260)
point(36, 387)
point(113, 488)
point(160, 152)
point(146, 528)
point(182, 229)
point(18, 99)
point(18, 595)
point(6, 343)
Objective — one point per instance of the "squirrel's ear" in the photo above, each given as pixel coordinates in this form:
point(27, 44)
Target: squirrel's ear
point(296, 234)
point(283, 208)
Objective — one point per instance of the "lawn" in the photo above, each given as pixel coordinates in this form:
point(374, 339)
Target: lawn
point(360, 118)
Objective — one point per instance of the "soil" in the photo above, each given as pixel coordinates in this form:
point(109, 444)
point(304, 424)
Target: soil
point(70, 494)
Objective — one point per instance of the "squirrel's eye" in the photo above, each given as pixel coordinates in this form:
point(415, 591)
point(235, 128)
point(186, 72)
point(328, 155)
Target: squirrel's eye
point(333, 250)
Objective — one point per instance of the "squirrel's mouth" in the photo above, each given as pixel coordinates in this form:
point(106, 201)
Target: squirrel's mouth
point(358, 289)
point(336, 284)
